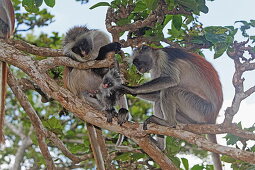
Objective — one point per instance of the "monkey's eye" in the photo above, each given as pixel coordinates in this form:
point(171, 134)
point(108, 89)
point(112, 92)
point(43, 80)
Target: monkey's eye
point(145, 47)
point(76, 50)
point(136, 61)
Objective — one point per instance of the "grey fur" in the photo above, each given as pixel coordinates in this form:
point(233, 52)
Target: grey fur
point(108, 96)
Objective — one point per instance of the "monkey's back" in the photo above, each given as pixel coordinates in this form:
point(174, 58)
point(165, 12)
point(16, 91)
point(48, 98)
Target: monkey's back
point(200, 77)
point(88, 81)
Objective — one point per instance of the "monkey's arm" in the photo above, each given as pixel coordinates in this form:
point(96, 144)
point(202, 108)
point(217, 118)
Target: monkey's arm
point(115, 46)
point(151, 86)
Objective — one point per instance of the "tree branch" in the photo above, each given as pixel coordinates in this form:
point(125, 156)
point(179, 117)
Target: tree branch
point(89, 114)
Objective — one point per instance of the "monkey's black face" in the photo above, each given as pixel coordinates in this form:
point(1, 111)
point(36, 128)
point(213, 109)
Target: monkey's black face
point(107, 83)
point(82, 47)
point(143, 59)
point(111, 79)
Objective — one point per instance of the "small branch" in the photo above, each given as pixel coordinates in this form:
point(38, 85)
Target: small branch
point(242, 64)
point(16, 130)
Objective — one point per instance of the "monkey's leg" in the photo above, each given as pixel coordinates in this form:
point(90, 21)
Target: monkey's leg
point(158, 112)
point(122, 116)
point(168, 108)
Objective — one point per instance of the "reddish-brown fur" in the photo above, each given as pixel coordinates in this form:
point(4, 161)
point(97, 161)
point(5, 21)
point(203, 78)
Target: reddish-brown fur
point(210, 74)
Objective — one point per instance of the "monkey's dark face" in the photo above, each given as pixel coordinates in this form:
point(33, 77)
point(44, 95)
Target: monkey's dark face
point(111, 79)
point(107, 83)
point(82, 47)
point(143, 59)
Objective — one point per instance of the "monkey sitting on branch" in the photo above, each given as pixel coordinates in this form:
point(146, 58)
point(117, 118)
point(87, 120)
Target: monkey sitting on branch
point(185, 88)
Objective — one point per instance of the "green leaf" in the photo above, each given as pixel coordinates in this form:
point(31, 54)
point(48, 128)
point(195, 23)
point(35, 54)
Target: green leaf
point(197, 167)
point(115, 3)
point(54, 125)
point(253, 148)
point(140, 6)
point(202, 7)
point(167, 19)
point(185, 163)
point(30, 6)
point(228, 159)
point(100, 4)
point(177, 21)
point(123, 21)
point(231, 139)
point(137, 156)
point(176, 161)
point(50, 3)
point(123, 157)
point(76, 148)
point(215, 38)
point(38, 3)
point(220, 48)
point(170, 4)
point(190, 4)
point(151, 4)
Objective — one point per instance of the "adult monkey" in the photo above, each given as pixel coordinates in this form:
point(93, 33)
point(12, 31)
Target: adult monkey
point(83, 44)
point(185, 88)
point(7, 21)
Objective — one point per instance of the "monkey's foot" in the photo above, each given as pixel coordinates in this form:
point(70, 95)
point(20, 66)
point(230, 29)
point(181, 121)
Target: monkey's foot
point(110, 114)
point(156, 120)
point(122, 116)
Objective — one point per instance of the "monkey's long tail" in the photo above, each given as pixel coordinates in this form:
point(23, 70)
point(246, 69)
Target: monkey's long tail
point(215, 156)
point(3, 84)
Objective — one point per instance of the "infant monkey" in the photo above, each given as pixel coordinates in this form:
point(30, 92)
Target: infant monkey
point(108, 96)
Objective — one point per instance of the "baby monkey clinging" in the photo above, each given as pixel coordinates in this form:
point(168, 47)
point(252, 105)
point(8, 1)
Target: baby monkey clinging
point(109, 95)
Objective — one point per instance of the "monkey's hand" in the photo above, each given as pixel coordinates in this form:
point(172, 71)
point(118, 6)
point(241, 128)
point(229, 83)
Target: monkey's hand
point(124, 89)
point(122, 116)
point(115, 46)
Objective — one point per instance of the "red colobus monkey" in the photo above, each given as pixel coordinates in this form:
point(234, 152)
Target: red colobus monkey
point(185, 88)
point(7, 21)
point(83, 44)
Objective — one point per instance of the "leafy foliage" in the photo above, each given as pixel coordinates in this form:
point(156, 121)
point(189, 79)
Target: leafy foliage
point(33, 5)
